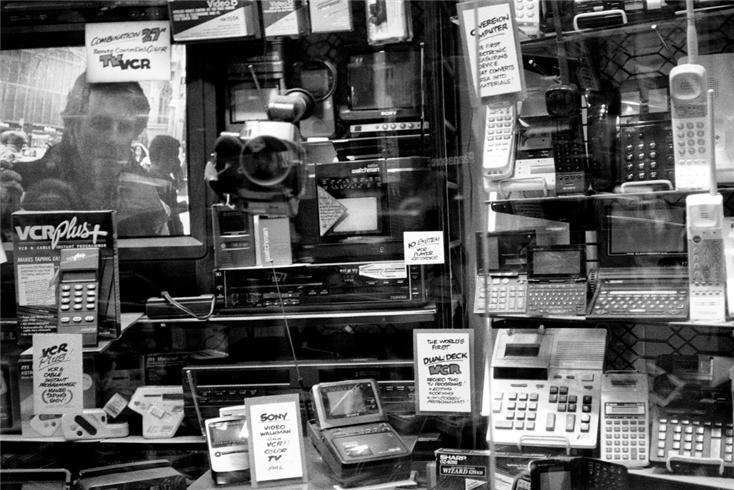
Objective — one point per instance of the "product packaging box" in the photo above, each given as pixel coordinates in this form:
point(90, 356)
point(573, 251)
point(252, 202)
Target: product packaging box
point(284, 17)
point(273, 241)
point(133, 475)
point(164, 368)
point(38, 239)
point(196, 20)
point(461, 469)
point(33, 425)
point(330, 16)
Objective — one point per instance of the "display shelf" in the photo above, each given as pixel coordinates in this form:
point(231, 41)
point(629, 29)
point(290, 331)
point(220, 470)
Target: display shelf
point(126, 321)
point(636, 27)
point(649, 475)
point(409, 314)
point(583, 319)
point(18, 438)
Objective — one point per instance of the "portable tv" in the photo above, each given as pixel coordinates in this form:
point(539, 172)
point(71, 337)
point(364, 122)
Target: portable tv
point(643, 232)
point(383, 81)
point(353, 436)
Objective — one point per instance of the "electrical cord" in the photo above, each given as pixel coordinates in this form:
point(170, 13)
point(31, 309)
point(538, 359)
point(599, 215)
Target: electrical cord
point(172, 301)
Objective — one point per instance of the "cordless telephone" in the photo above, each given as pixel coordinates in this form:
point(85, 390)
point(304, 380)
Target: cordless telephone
point(563, 103)
point(692, 126)
point(499, 140)
point(706, 262)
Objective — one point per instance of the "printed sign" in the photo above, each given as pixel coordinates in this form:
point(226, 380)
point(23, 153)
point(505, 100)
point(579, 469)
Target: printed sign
point(193, 20)
point(128, 51)
point(443, 370)
point(276, 439)
point(500, 66)
point(57, 374)
point(423, 247)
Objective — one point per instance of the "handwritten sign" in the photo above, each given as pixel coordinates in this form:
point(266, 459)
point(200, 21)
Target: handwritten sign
point(499, 67)
point(128, 51)
point(57, 373)
point(276, 439)
point(423, 247)
point(443, 367)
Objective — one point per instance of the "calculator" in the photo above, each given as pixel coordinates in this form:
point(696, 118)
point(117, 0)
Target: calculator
point(624, 418)
point(503, 294)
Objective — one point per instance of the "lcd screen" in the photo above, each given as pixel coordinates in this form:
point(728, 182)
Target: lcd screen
point(361, 215)
point(647, 229)
point(228, 433)
point(556, 262)
point(522, 350)
point(555, 480)
point(349, 400)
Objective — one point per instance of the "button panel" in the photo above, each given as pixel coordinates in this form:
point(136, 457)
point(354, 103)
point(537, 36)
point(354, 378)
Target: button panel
point(566, 406)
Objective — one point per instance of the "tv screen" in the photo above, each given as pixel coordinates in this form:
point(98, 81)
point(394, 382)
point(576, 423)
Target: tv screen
point(648, 232)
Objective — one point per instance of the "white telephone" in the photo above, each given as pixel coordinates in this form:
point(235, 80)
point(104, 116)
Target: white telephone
point(692, 126)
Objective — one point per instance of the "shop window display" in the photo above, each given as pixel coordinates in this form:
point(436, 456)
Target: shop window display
point(559, 168)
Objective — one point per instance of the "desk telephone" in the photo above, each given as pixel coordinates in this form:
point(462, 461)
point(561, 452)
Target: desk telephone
point(546, 387)
point(692, 428)
point(77, 293)
point(353, 436)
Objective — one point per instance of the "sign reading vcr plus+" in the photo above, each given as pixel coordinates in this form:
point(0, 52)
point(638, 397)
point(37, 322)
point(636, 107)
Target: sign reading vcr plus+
point(38, 239)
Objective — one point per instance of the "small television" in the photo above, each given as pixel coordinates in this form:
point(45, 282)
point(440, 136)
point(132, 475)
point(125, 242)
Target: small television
point(384, 84)
point(647, 231)
point(43, 54)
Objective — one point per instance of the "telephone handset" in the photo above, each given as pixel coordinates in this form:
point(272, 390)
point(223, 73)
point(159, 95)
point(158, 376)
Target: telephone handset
point(499, 140)
point(563, 103)
point(78, 293)
point(692, 125)
point(706, 261)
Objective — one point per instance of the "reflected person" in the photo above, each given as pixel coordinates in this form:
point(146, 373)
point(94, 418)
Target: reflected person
point(93, 167)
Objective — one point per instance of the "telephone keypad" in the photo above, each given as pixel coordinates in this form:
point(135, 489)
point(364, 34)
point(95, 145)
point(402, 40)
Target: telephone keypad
point(648, 152)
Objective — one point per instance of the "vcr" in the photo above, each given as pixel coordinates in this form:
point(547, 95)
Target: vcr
point(308, 287)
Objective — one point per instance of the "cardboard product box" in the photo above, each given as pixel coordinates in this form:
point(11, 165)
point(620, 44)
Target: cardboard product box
point(273, 241)
point(461, 469)
point(164, 368)
point(197, 20)
point(134, 475)
point(284, 17)
point(330, 15)
point(38, 238)
point(34, 426)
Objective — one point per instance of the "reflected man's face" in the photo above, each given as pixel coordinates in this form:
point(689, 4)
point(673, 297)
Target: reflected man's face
point(105, 133)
